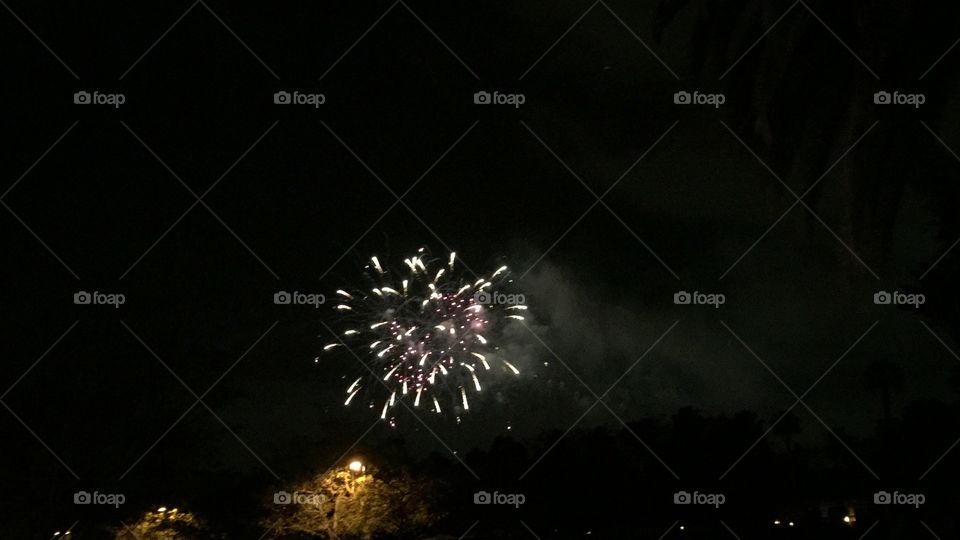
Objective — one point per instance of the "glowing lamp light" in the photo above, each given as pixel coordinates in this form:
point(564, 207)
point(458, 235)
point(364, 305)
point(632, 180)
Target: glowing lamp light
point(355, 466)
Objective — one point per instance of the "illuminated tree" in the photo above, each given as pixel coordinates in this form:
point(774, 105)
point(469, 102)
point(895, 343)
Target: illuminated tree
point(344, 503)
point(164, 524)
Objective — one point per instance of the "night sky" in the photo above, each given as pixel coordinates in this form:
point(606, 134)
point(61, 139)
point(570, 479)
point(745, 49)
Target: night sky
point(798, 199)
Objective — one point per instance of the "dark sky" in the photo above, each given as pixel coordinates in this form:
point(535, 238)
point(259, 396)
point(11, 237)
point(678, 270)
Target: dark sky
point(297, 198)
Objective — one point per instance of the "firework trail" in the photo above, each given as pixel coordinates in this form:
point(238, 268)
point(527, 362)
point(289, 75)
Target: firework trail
point(427, 333)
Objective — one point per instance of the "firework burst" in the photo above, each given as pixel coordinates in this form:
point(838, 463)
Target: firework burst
point(426, 332)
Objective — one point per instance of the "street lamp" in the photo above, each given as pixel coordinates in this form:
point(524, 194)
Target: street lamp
point(356, 467)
